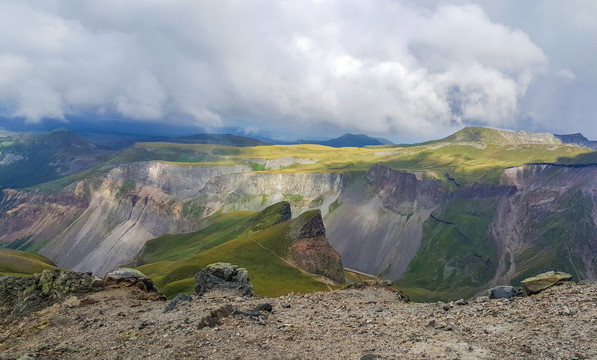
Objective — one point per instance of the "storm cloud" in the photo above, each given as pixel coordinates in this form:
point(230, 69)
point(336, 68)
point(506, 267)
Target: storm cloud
point(394, 68)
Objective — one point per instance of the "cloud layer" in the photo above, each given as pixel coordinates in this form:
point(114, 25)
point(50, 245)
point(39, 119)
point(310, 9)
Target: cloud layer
point(382, 67)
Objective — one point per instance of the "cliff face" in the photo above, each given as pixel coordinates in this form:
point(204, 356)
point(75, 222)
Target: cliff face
point(396, 224)
point(549, 223)
point(100, 224)
point(380, 217)
point(28, 218)
point(310, 249)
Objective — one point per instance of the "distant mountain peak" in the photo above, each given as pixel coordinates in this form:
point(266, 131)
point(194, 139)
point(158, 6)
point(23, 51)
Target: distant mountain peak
point(220, 139)
point(351, 140)
point(578, 139)
point(477, 133)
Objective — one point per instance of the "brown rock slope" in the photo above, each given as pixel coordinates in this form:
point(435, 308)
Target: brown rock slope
point(345, 324)
point(310, 249)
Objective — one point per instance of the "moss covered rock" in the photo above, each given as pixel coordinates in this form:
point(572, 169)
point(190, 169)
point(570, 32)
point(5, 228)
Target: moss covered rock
point(23, 295)
point(536, 284)
point(223, 276)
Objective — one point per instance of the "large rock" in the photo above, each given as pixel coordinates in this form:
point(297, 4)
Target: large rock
point(23, 295)
point(311, 250)
point(223, 276)
point(129, 277)
point(536, 284)
point(504, 292)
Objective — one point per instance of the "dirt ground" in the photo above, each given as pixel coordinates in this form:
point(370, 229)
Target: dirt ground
point(560, 323)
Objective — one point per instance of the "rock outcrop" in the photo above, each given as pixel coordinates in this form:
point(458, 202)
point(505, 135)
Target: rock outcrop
point(536, 284)
point(223, 276)
point(23, 295)
point(310, 249)
point(504, 292)
point(129, 277)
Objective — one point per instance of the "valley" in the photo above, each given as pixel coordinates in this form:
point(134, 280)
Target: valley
point(444, 219)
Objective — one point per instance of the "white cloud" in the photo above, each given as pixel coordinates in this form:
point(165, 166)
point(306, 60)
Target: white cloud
point(566, 74)
point(382, 67)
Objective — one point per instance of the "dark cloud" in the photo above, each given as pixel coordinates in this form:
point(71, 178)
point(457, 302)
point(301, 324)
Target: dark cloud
point(300, 66)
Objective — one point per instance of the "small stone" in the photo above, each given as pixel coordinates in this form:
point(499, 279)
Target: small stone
point(267, 307)
point(370, 357)
point(461, 302)
point(178, 299)
point(143, 325)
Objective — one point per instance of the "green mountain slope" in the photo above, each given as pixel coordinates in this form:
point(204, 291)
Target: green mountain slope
point(20, 263)
point(488, 135)
point(257, 241)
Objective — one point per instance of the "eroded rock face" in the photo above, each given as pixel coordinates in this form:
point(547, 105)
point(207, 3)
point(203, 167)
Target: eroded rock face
point(23, 295)
point(223, 276)
point(536, 284)
point(311, 249)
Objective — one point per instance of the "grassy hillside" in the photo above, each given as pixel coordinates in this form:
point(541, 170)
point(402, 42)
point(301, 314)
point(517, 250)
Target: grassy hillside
point(466, 161)
point(19, 263)
point(471, 155)
point(257, 241)
point(456, 258)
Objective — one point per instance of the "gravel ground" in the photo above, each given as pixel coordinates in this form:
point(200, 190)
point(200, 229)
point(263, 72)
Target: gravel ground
point(369, 323)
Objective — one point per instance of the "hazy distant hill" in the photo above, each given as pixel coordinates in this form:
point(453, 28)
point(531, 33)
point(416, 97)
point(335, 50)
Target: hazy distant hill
point(220, 139)
point(31, 159)
point(351, 140)
point(577, 139)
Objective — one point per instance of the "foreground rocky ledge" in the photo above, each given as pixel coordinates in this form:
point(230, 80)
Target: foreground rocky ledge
point(117, 323)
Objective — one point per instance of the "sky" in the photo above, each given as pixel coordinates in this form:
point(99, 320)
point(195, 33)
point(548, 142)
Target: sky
point(403, 70)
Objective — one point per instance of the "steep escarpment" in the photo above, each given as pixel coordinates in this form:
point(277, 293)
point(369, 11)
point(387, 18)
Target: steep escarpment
point(379, 215)
point(255, 191)
point(549, 223)
point(101, 223)
point(29, 218)
point(177, 179)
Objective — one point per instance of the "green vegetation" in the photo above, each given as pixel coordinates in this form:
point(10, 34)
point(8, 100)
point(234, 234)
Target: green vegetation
point(20, 263)
point(456, 256)
point(293, 198)
point(256, 166)
point(255, 241)
point(333, 206)
point(470, 155)
point(353, 277)
point(465, 161)
point(127, 186)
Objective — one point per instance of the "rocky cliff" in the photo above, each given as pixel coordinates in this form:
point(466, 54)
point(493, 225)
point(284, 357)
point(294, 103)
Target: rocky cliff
point(310, 249)
point(98, 224)
point(434, 233)
point(550, 222)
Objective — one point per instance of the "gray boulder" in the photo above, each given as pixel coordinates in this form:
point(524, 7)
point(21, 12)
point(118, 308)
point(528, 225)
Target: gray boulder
point(129, 277)
point(223, 276)
point(504, 292)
